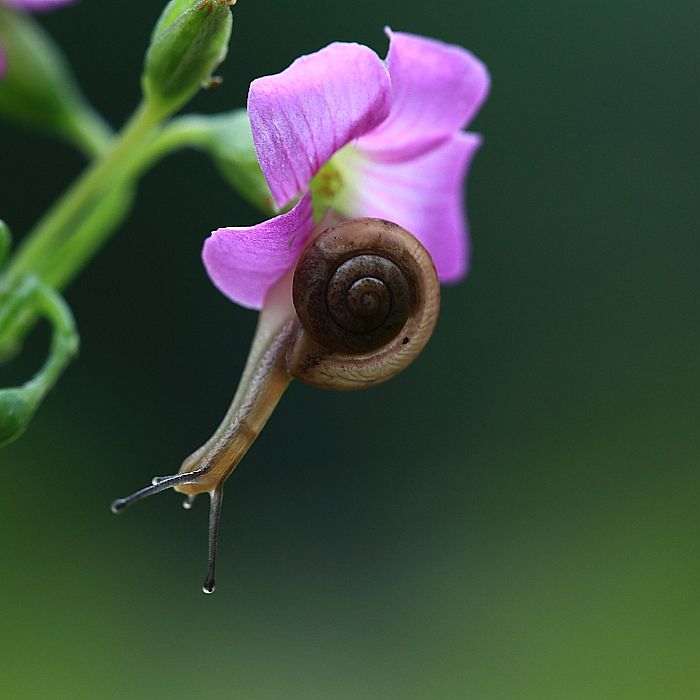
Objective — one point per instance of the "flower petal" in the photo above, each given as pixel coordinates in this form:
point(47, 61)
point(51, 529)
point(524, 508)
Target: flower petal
point(244, 263)
point(437, 89)
point(302, 116)
point(424, 195)
point(37, 5)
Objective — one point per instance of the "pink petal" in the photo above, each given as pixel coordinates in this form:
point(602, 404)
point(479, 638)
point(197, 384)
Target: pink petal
point(37, 5)
point(245, 262)
point(425, 196)
point(302, 116)
point(437, 89)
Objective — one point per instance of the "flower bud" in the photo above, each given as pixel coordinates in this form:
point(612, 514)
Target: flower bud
point(17, 407)
point(189, 41)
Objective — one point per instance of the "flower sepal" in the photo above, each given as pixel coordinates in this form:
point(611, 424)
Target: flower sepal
point(229, 141)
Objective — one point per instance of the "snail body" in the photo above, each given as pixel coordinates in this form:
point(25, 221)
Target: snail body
point(359, 307)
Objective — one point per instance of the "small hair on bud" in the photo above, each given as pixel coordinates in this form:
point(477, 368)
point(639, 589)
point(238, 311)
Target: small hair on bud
point(211, 4)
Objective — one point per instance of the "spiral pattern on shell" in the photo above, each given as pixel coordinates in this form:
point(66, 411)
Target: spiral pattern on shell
point(367, 297)
point(355, 287)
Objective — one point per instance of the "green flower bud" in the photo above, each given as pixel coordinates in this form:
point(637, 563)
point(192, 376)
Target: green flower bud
point(5, 241)
point(189, 41)
point(39, 89)
point(230, 142)
point(17, 408)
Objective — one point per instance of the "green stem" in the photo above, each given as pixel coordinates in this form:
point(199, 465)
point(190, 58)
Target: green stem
point(64, 343)
point(69, 260)
point(65, 216)
point(111, 210)
point(19, 404)
point(56, 254)
point(5, 242)
point(89, 132)
point(184, 132)
point(95, 229)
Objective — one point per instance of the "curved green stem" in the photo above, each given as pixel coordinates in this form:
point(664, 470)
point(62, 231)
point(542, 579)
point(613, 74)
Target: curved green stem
point(64, 343)
point(184, 132)
point(19, 404)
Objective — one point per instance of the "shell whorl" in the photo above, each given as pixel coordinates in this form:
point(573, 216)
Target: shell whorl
point(367, 296)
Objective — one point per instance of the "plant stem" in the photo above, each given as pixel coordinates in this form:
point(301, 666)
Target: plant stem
point(65, 216)
point(188, 131)
point(90, 133)
point(64, 343)
point(111, 210)
point(19, 404)
point(93, 208)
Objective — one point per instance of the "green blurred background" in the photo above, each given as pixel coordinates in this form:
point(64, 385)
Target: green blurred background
point(515, 517)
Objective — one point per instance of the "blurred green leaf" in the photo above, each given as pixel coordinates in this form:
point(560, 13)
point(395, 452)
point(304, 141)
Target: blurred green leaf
point(39, 90)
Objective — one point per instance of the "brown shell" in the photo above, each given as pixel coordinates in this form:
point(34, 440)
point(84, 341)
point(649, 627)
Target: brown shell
point(368, 298)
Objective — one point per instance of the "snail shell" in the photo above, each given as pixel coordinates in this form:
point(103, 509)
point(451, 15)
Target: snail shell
point(367, 296)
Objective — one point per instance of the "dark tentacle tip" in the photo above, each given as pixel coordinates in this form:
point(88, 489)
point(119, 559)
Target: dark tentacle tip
point(118, 506)
point(209, 586)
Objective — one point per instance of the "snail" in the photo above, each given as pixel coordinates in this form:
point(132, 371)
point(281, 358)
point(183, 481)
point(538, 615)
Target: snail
point(358, 308)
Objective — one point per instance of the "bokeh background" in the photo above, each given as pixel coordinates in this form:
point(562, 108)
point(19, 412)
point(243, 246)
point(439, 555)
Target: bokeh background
point(517, 516)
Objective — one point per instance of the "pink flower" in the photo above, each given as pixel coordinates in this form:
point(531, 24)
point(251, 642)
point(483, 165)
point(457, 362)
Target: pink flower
point(340, 128)
point(33, 5)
